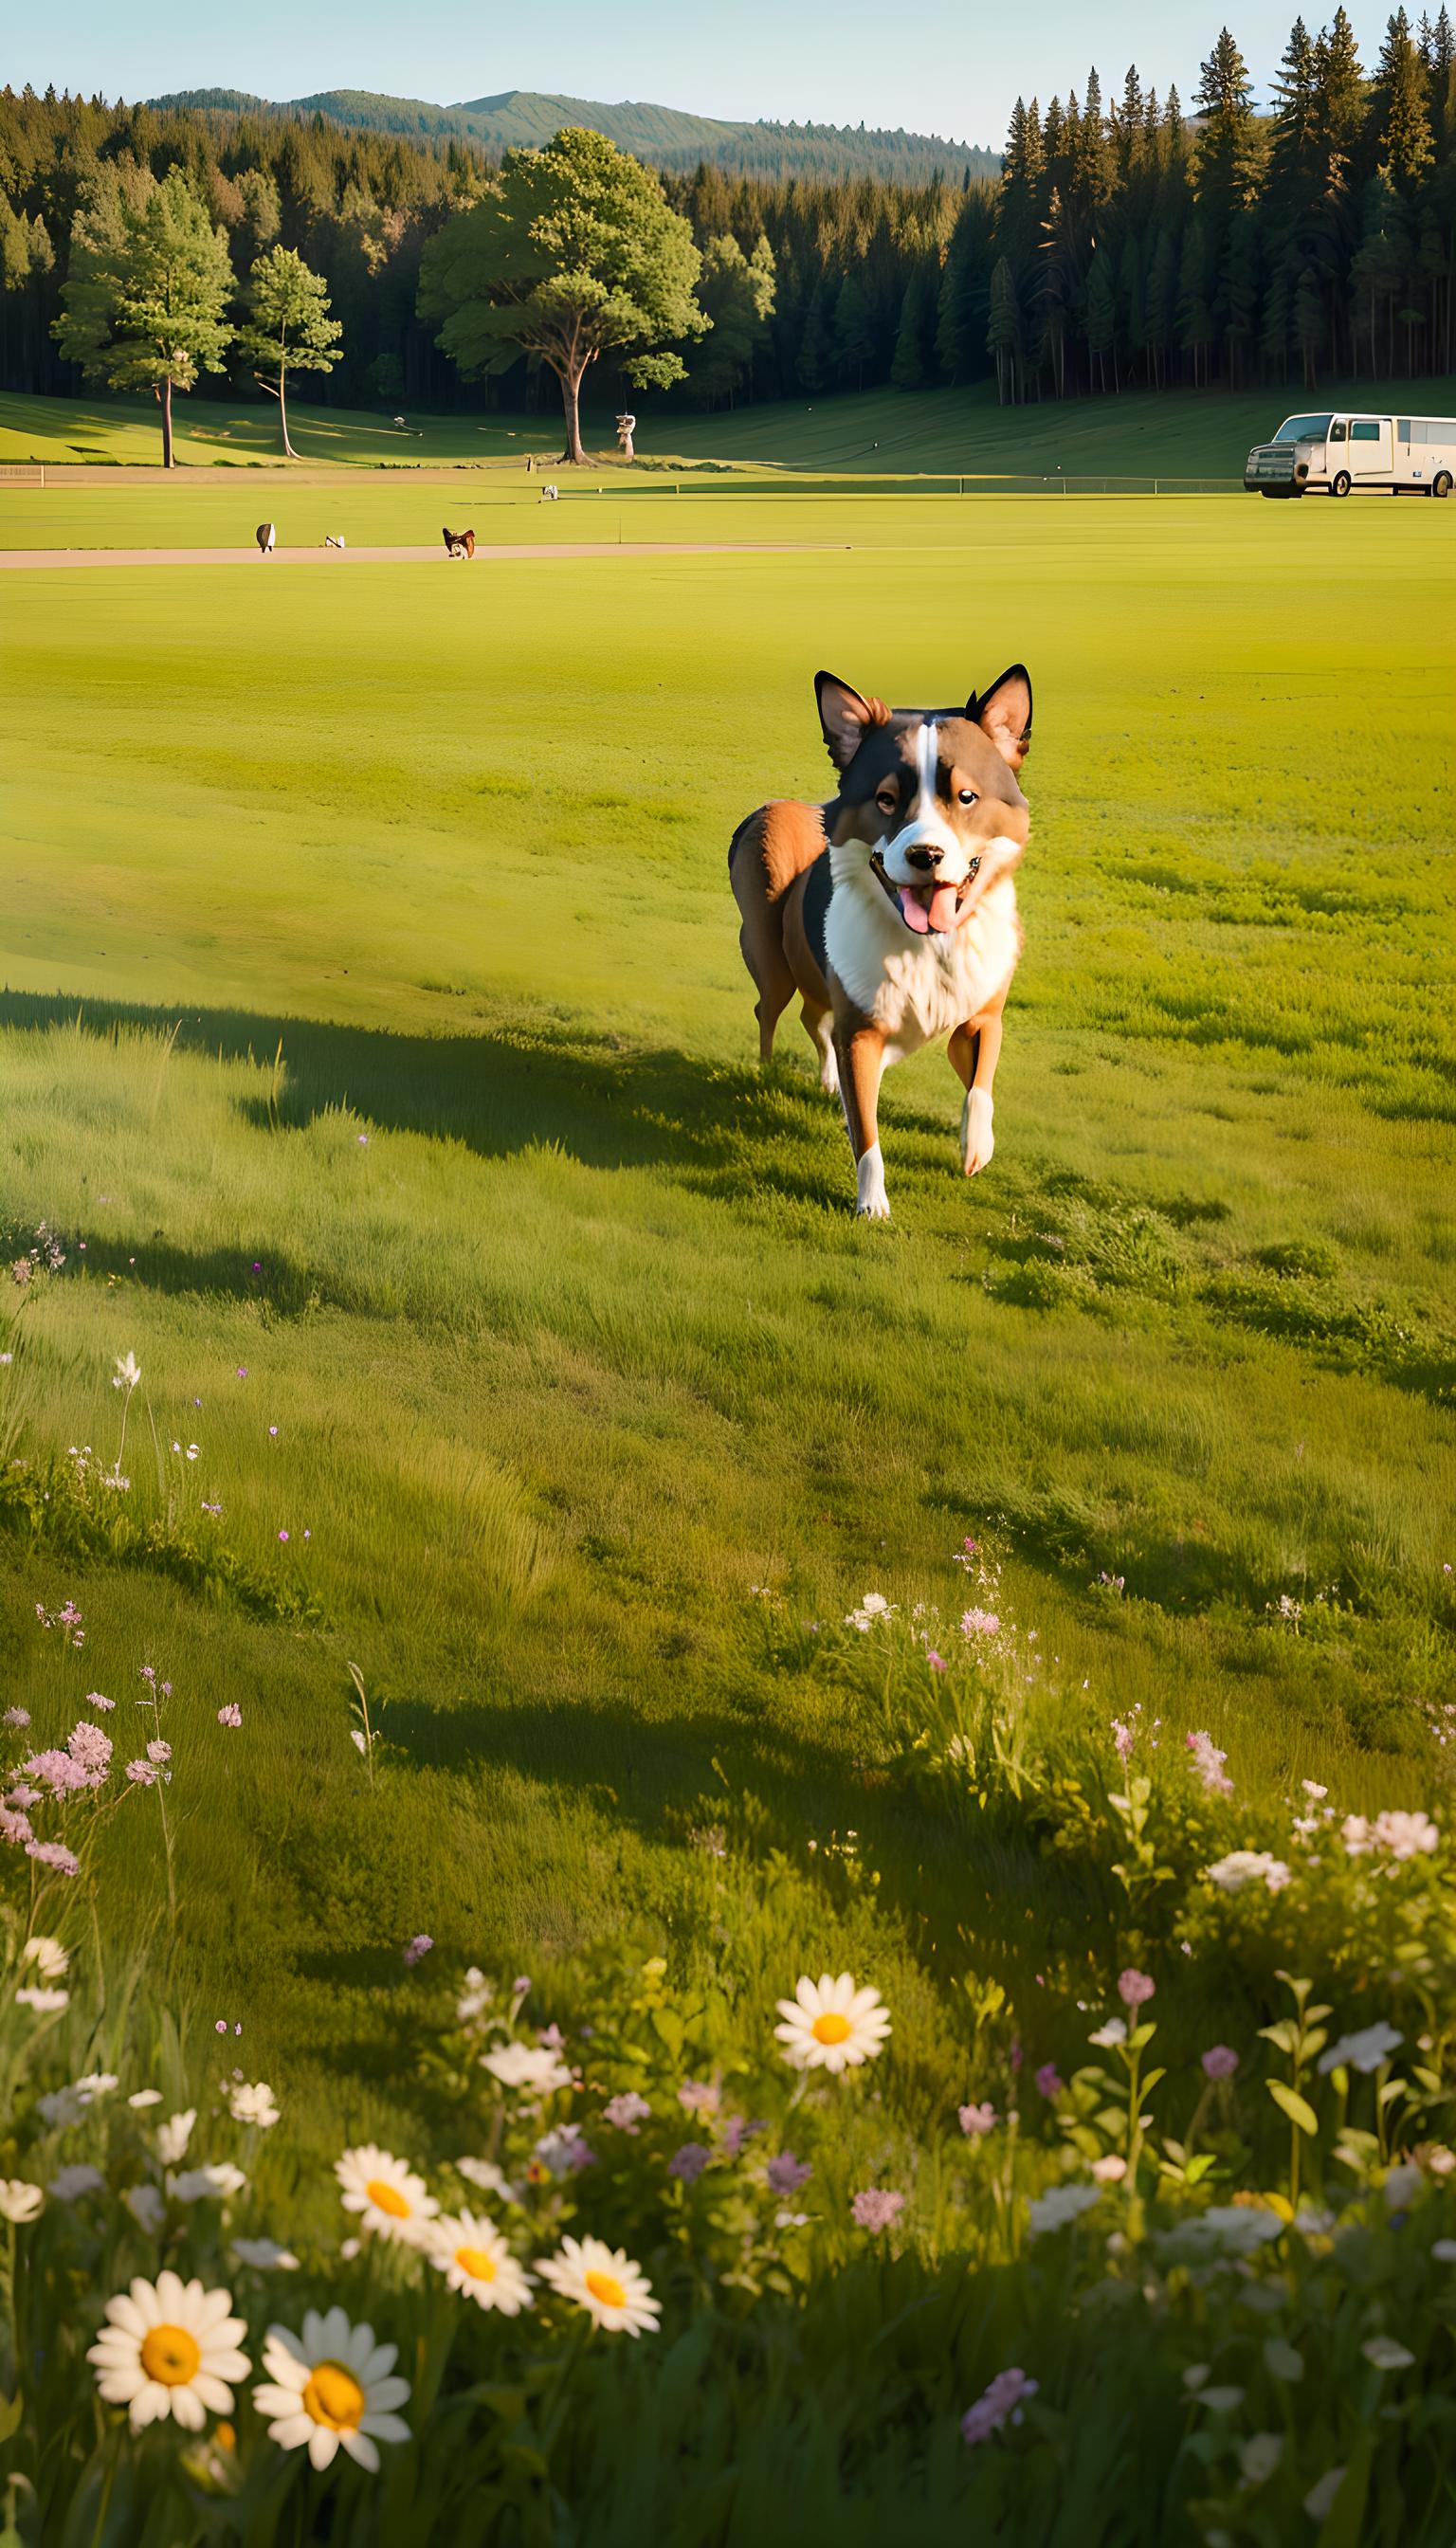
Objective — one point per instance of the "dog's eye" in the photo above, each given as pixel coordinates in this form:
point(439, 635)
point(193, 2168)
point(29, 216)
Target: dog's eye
point(967, 796)
point(886, 800)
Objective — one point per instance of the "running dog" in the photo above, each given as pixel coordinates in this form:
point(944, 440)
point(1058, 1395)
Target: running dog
point(265, 535)
point(892, 910)
point(459, 544)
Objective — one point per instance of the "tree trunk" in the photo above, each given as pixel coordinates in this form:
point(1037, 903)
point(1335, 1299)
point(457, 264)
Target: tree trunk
point(289, 452)
point(167, 459)
point(571, 383)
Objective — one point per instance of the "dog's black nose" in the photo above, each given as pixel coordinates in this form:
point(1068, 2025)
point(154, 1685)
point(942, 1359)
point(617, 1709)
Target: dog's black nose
point(926, 858)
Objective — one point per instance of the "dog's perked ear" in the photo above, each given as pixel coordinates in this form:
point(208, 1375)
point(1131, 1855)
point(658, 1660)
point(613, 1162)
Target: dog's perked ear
point(1004, 715)
point(845, 718)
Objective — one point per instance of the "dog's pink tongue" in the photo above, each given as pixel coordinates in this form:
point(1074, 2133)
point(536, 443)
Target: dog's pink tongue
point(913, 913)
point(943, 907)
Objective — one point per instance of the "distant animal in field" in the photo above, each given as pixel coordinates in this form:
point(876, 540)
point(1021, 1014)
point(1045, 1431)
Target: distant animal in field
point(892, 910)
point(335, 540)
point(549, 494)
point(459, 544)
point(264, 535)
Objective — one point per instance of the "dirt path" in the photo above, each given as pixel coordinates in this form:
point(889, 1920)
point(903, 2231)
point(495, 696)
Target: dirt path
point(432, 556)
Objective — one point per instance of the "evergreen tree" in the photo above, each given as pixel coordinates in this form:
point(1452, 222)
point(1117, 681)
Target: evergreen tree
point(966, 294)
point(1195, 317)
point(854, 341)
point(1400, 106)
point(1002, 334)
point(1378, 275)
point(816, 352)
point(1276, 319)
point(1162, 302)
point(914, 356)
point(1102, 317)
point(1308, 325)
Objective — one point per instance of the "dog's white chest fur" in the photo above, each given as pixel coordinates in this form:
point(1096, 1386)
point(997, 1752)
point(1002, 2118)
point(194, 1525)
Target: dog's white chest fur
point(916, 989)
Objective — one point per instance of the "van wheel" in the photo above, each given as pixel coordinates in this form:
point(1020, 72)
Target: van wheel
point(1441, 483)
point(1339, 483)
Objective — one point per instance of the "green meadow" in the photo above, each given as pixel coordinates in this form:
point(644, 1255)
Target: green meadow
point(375, 1041)
point(1141, 433)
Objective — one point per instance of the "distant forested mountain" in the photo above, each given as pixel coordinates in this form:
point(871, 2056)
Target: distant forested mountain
point(663, 136)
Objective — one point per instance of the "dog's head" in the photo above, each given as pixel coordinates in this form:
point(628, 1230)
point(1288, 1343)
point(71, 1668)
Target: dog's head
point(932, 793)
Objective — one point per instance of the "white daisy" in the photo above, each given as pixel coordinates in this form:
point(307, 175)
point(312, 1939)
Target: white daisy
point(96, 2083)
point(389, 2197)
point(145, 2097)
point(197, 2184)
point(265, 2255)
point(828, 2025)
point(171, 2348)
point(18, 2200)
point(605, 2282)
point(253, 2104)
point(474, 2259)
point(46, 2003)
point(331, 2385)
point(172, 2138)
point(49, 1954)
point(485, 2175)
point(527, 2066)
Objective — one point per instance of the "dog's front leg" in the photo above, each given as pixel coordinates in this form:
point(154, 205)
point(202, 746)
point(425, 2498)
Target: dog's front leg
point(861, 1051)
point(974, 1051)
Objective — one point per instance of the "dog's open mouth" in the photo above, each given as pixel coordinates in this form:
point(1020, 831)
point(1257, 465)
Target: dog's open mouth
point(929, 910)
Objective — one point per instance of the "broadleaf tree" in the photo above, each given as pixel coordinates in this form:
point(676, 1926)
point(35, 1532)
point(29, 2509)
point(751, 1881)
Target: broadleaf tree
point(572, 254)
point(146, 291)
point(289, 329)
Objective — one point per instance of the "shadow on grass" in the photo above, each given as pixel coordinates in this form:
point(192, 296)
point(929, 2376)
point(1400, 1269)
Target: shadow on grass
point(597, 1099)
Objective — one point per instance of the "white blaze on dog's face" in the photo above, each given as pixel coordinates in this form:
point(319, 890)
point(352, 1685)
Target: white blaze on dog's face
point(932, 793)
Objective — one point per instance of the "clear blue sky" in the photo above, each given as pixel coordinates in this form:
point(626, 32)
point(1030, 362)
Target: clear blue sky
point(945, 66)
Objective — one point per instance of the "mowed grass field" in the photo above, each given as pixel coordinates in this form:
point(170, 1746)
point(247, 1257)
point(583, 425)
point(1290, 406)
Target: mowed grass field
point(375, 1036)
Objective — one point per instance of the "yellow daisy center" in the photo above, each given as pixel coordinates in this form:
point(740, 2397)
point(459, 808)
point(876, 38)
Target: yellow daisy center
point(832, 2026)
point(388, 2197)
point(607, 2290)
point(477, 2262)
point(169, 2354)
point(333, 2397)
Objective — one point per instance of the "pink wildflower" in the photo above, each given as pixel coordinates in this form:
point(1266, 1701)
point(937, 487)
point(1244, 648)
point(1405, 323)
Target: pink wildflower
point(877, 2208)
point(1209, 1762)
point(94, 1698)
point(696, 2097)
point(935, 1662)
point(15, 1828)
point(1135, 1987)
point(1000, 2403)
point(626, 2112)
point(52, 1853)
point(977, 2120)
point(229, 1715)
point(418, 1949)
point(141, 1774)
point(1219, 2061)
point(980, 1623)
point(18, 1718)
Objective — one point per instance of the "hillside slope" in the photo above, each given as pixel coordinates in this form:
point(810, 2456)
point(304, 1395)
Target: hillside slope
point(666, 136)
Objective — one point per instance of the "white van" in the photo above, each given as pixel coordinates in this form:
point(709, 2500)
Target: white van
point(1406, 454)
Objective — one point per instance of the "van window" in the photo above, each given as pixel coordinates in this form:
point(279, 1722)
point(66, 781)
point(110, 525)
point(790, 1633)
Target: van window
point(1403, 428)
point(1365, 429)
point(1336, 433)
point(1302, 428)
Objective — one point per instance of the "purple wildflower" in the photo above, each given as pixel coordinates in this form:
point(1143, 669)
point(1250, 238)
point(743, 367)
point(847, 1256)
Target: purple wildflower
point(141, 1774)
point(18, 1718)
point(1048, 2081)
point(159, 1754)
point(689, 2162)
point(1001, 2403)
point(1219, 2061)
point(15, 1828)
point(231, 1714)
point(878, 2207)
point(60, 1772)
point(96, 1698)
point(787, 2175)
point(418, 1949)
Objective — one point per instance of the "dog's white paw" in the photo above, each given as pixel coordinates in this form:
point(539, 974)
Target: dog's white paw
point(874, 1202)
point(977, 1140)
point(829, 1075)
